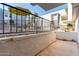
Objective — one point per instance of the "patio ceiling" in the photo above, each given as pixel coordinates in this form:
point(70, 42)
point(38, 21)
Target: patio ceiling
point(48, 6)
point(75, 5)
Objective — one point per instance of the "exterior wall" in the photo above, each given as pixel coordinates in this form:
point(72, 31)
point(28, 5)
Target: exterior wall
point(61, 12)
point(48, 16)
point(67, 35)
point(1, 17)
point(75, 16)
point(26, 44)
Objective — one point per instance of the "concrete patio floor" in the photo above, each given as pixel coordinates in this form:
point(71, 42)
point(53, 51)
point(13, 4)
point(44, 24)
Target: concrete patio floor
point(61, 48)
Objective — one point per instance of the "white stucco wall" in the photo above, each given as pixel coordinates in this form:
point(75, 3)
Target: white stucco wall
point(67, 35)
point(77, 29)
point(48, 16)
point(26, 44)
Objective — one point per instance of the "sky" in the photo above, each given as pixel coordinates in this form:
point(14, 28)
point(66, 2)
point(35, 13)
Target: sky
point(37, 8)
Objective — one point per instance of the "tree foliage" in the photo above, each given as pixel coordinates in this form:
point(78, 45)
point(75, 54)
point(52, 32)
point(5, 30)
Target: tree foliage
point(18, 12)
point(66, 10)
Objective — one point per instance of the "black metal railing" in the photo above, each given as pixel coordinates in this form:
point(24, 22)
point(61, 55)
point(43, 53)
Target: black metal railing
point(12, 23)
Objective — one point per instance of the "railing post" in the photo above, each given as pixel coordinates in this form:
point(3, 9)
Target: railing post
point(36, 25)
point(21, 22)
point(25, 24)
point(29, 23)
point(10, 21)
point(16, 20)
point(42, 24)
point(3, 19)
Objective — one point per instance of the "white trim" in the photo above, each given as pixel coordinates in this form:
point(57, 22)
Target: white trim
point(19, 36)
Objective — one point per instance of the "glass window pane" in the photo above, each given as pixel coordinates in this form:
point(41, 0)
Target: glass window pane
point(39, 24)
point(1, 18)
point(23, 23)
point(33, 20)
point(6, 20)
point(19, 27)
point(13, 22)
point(27, 20)
point(46, 25)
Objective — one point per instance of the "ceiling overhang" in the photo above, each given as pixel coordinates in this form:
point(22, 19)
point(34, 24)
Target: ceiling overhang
point(48, 6)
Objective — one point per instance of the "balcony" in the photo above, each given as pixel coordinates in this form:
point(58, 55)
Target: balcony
point(32, 35)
